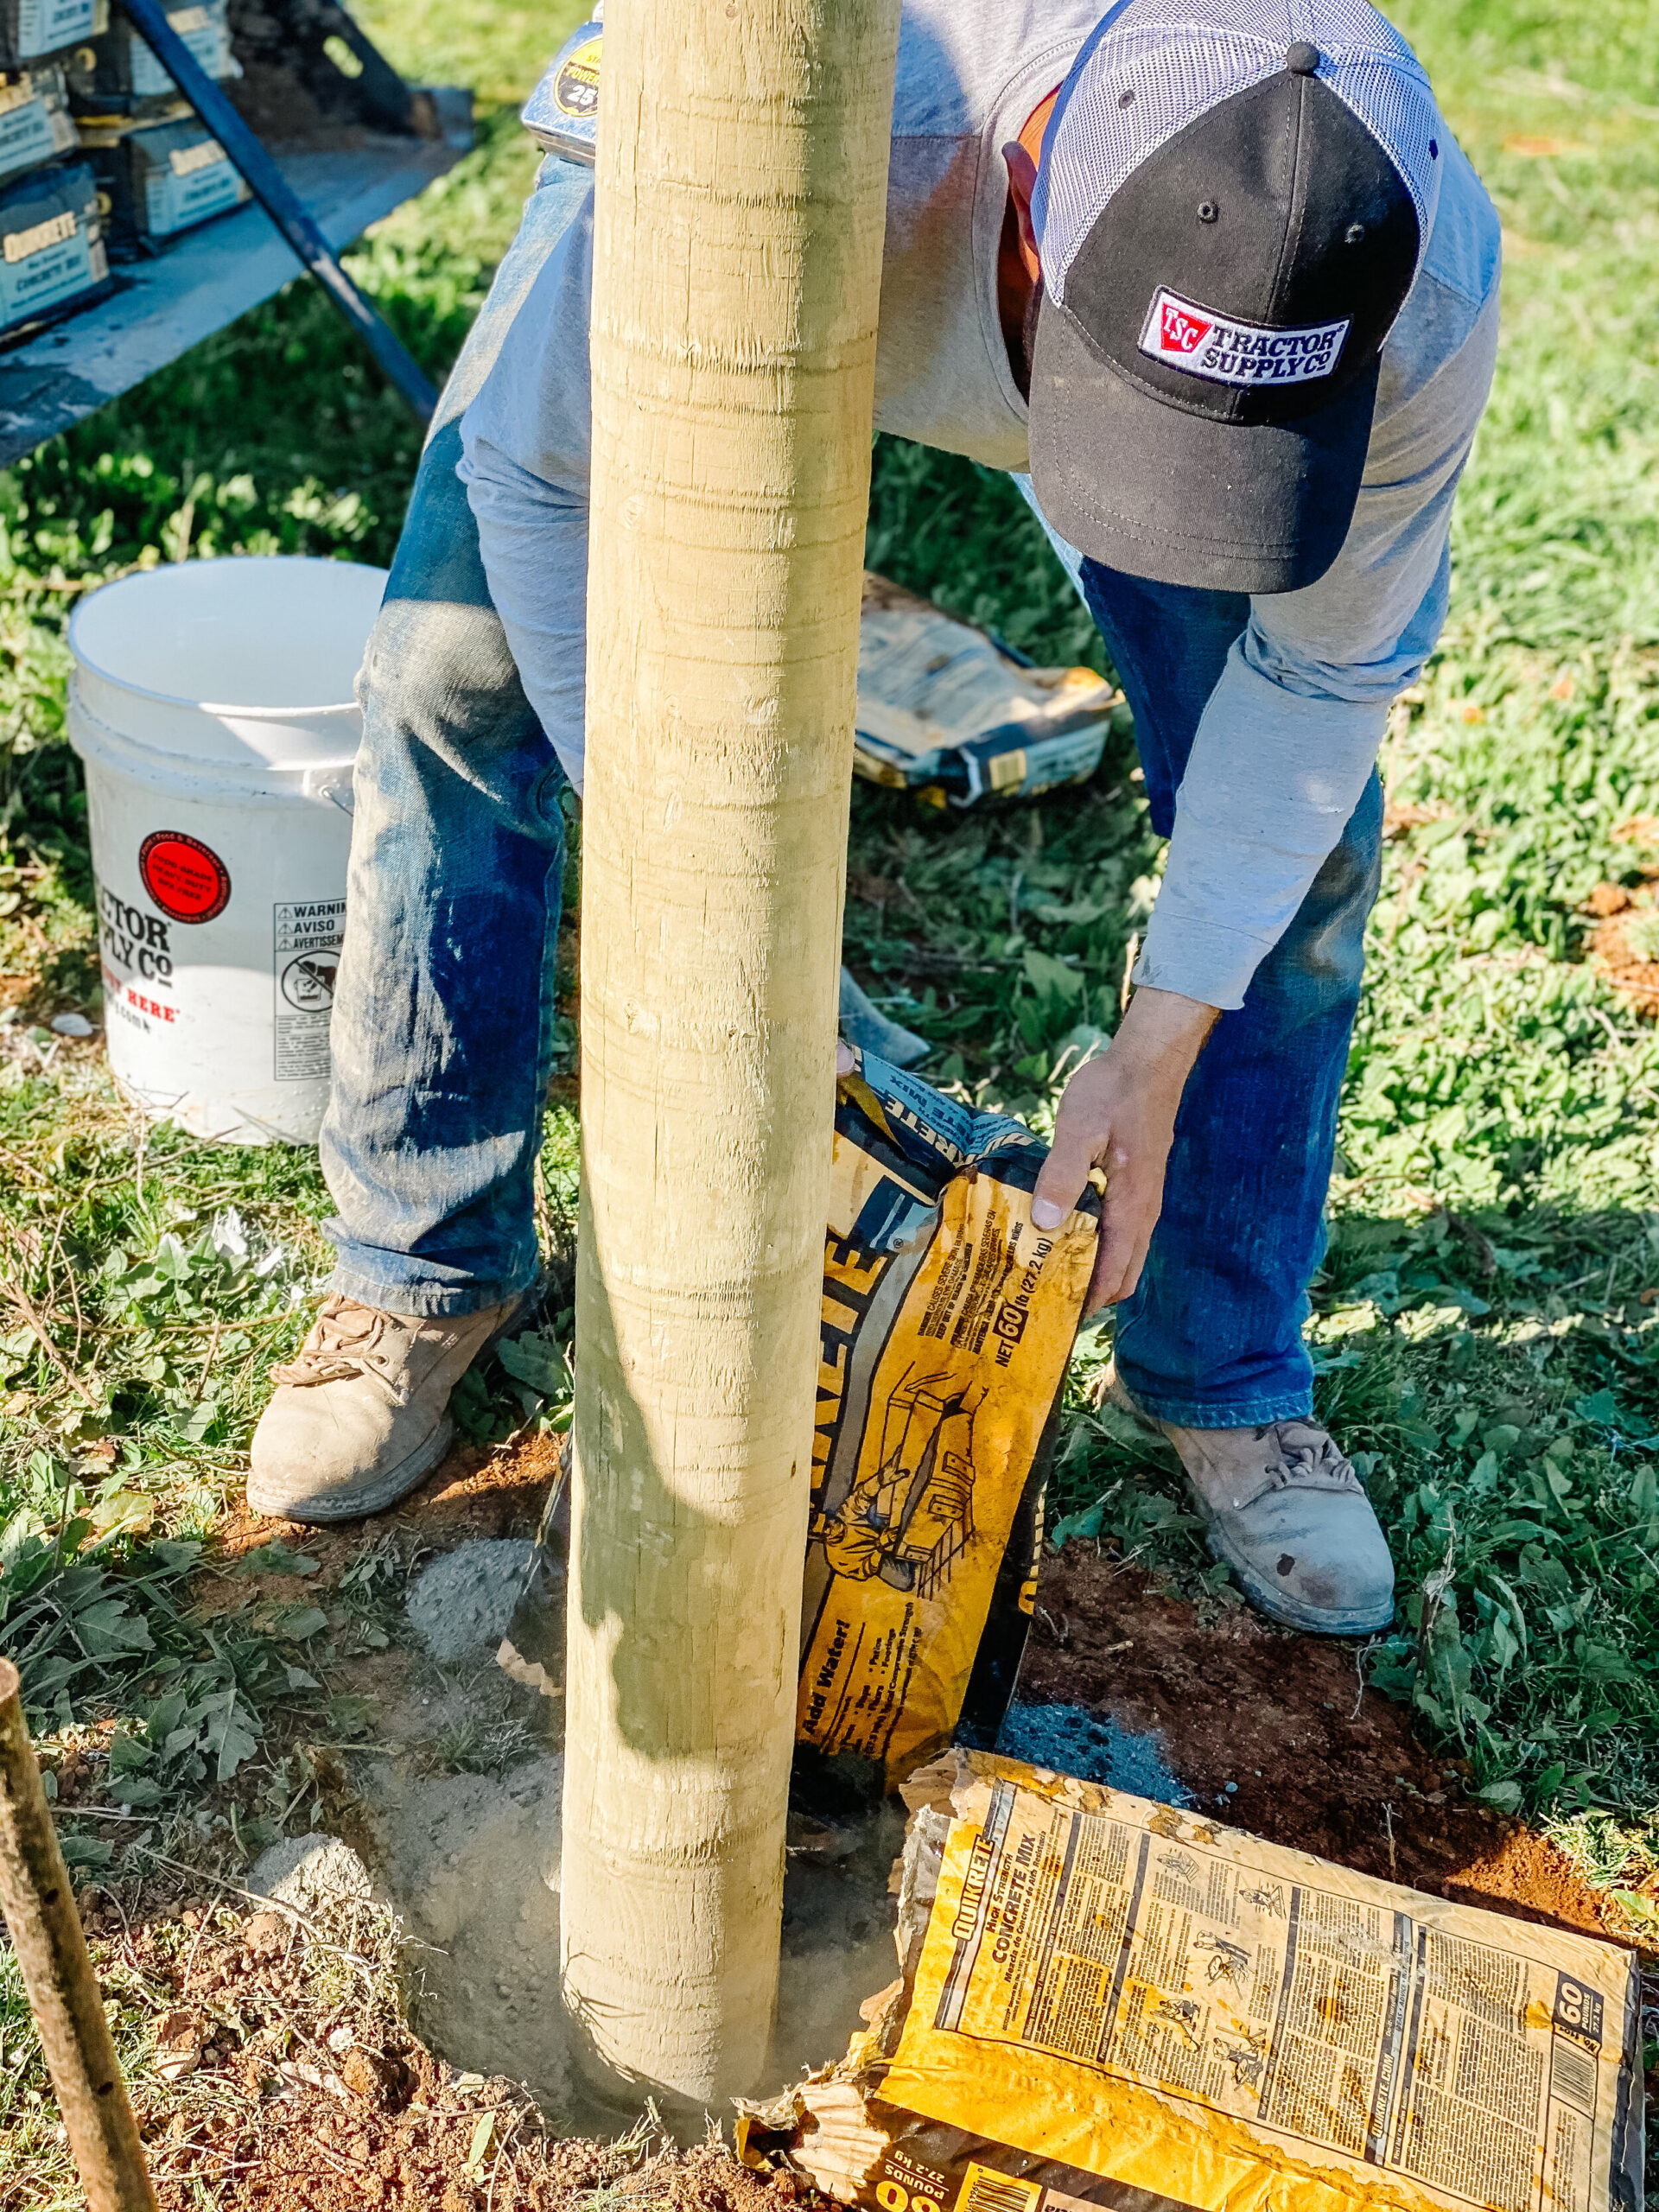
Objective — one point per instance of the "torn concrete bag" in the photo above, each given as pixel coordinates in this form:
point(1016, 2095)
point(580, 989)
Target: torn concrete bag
point(1104, 2001)
point(949, 712)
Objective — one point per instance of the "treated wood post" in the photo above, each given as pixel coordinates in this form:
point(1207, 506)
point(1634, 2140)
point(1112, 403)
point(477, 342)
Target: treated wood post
point(741, 190)
point(63, 1993)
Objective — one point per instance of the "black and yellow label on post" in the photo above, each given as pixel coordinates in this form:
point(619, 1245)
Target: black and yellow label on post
point(575, 84)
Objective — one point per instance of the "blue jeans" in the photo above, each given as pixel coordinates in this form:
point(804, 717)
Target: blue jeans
point(444, 1003)
point(1212, 1338)
point(443, 1031)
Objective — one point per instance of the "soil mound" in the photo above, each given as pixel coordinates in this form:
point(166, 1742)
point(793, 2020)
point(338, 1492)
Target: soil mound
point(1280, 1735)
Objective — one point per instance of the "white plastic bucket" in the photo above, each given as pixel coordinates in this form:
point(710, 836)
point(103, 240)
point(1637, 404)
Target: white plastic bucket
point(212, 705)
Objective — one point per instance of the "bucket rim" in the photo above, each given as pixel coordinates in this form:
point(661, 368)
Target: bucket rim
point(331, 707)
point(95, 740)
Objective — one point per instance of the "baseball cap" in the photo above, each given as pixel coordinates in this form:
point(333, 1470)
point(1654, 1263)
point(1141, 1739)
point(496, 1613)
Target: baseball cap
point(1234, 199)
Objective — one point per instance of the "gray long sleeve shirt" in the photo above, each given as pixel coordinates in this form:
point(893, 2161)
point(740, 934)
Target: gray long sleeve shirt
point(1290, 733)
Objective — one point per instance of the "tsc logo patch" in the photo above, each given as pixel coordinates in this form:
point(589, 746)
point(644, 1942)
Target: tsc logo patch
point(1179, 330)
point(1201, 343)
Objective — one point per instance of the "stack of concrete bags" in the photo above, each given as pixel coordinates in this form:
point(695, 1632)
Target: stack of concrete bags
point(161, 171)
point(52, 247)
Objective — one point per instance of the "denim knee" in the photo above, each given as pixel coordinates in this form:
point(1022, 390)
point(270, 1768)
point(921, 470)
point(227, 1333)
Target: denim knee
point(450, 744)
point(439, 675)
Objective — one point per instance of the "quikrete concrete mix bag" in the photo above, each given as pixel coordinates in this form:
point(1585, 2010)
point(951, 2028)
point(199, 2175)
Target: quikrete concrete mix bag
point(950, 713)
point(1104, 2001)
point(948, 1321)
point(947, 1324)
point(160, 180)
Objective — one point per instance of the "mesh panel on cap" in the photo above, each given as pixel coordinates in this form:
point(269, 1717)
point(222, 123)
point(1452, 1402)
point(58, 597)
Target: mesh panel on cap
point(1179, 63)
point(1396, 106)
point(1094, 144)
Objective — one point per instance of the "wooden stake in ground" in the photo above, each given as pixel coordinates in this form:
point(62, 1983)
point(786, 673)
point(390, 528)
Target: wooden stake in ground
point(63, 1993)
point(742, 186)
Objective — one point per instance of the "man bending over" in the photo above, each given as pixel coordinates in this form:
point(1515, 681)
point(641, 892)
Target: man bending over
point(1214, 282)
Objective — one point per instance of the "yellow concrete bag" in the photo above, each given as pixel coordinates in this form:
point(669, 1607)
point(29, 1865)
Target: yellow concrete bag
point(1104, 2001)
point(948, 1321)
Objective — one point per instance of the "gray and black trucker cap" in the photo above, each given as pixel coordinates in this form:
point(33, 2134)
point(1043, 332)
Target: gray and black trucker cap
point(1234, 197)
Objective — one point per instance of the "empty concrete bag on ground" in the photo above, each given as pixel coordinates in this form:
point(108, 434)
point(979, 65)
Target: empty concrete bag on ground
point(947, 1324)
point(954, 715)
point(1104, 2001)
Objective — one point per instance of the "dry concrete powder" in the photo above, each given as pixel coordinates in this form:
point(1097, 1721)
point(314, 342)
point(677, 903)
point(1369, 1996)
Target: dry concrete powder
point(463, 1602)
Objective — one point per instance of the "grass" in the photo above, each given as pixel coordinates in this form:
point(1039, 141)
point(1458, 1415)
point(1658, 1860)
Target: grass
point(1481, 1331)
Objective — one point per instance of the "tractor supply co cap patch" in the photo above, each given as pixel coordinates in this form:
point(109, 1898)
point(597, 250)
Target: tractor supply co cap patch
point(1224, 351)
point(187, 880)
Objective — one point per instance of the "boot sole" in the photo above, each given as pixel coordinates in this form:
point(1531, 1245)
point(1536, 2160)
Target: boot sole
point(357, 1500)
point(1286, 1611)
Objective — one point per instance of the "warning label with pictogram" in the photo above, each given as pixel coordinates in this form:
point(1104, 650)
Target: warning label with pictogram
point(305, 958)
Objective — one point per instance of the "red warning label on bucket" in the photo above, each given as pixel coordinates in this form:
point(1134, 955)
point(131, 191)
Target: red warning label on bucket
point(187, 880)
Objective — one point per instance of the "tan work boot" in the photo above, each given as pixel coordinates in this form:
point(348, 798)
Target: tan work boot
point(1289, 1516)
point(361, 1415)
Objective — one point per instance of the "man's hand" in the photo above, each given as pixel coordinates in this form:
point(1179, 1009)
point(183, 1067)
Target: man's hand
point(1118, 1114)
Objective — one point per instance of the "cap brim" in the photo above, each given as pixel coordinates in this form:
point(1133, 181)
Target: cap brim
point(1158, 491)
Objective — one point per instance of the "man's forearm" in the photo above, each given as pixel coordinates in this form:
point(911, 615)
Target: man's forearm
point(1161, 1034)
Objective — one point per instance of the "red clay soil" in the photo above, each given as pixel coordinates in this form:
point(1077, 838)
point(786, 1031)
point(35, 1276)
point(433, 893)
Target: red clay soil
point(1319, 1762)
point(321, 2160)
point(478, 1492)
point(322, 2156)
point(278, 2088)
point(1613, 947)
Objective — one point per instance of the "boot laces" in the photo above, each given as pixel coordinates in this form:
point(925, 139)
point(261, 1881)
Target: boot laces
point(348, 1340)
point(1308, 1457)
